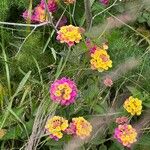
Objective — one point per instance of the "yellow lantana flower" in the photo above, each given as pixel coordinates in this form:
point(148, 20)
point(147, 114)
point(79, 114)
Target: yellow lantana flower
point(100, 60)
point(55, 126)
point(133, 106)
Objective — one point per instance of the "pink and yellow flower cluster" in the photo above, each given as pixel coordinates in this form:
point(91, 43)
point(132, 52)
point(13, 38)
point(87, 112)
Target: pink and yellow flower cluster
point(100, 60)
point(133, 106)
point(125, 134)
point(40, 12)
point(69, 34)
point(79, 127)
point(121, 120)
point(63, 91)
point(57, 125)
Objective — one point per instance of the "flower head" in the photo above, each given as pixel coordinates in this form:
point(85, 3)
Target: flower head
point(133, 106)
point(26, 15)
point(40, 14)
point(121, 120)
point(51, 4)
point(55, 126)
point(125, 134)
point(69, 1)
point(104, 2)
point(100, 60)
point(69, 34)
point(108, 82)
point(63, 91)
point(79, 127)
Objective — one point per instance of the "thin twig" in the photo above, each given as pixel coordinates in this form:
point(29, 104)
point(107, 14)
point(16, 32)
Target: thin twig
point(102, 12)
point(23, 24)
point(88, 13)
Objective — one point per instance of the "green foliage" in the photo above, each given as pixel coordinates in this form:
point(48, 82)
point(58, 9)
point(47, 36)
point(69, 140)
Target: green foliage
point(6, 6)
point(144, 17)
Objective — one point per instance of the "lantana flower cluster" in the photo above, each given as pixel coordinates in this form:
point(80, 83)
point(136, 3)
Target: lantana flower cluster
point(121, 120)
point(57, 126)
point(40, 12)
point(133, 106)
point(69, 34)
point(100, 60)
point(104, 2)
point(125, 134)
point(108, 82)
point(79, 127)
point(63, 91)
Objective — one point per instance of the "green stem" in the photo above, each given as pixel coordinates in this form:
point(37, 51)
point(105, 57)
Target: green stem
point(88, 13)
point(64, 64)
point(6, 64)
point(70, 14)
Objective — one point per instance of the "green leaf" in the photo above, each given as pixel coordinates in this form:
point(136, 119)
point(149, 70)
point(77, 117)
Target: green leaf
point(12, 133)
point(22, 83)
point(11, 118)
point(141, 20)
point(91, 92)
point(148, 22)
point(143, 143)
point(134, 91)
point(53, 53)
point(116, 146)
point(103, 147)
point(146, 15)
point(99, 109)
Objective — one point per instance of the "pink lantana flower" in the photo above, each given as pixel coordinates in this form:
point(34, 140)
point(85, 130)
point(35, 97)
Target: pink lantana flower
point(79, 127)
point(28, 15)
point(125, 134)
point(40, 14)
point(63, 91)
point(51, 4)
point(104, 2)
point(108, 82)
point(121, 120)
